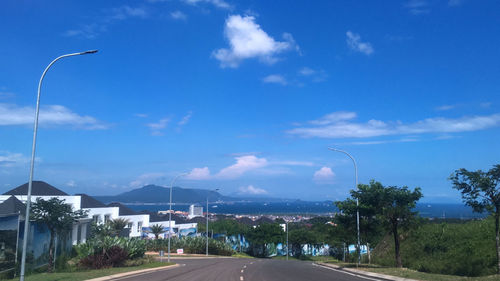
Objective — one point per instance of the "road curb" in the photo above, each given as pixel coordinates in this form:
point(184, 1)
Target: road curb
point(365, 273)
point(129, 273)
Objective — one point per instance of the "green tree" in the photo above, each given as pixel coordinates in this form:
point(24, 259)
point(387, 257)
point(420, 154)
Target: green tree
point(264, 234)
point(392, 205)
point(370, 227)
point(117, 225)
point(481, 191)
point(58, 217)
point(299, 237)
point(156, 229)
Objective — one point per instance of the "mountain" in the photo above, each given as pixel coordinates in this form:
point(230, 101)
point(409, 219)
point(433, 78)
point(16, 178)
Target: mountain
point(160, 194)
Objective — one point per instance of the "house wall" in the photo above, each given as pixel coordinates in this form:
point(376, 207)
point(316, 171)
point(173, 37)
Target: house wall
point(102, 212)
point(74, 201)
point(136, 231)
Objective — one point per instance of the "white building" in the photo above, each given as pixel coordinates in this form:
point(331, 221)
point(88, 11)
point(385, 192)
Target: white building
point(136, 221)
point(195, 211)
point(96, 210)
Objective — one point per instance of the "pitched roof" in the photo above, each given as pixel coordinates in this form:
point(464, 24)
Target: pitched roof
point(90, 202)
point(38, 188)
point(124, 211)
point(12, 206)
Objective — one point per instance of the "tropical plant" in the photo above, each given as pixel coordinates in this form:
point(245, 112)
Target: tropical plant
point(481, 191)
point(58, 217)
point(117, 225)
point(157, 229)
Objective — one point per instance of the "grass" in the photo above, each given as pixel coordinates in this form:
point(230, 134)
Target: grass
point(242, 255)
point(413, 274)
point(88, 274)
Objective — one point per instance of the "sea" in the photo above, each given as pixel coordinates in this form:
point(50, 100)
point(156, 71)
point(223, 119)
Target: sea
point(442, 211)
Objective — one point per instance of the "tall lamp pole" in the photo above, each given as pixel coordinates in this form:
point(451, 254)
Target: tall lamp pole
point(170, 212)
point(287, 249)
point(30, 183)
point(206, 252)
point(357, 200)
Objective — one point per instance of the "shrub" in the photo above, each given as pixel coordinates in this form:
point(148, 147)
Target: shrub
point(191, 245)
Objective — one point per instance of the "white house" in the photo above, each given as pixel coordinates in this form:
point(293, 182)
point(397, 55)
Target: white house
point(96, 210)
point(136, 221)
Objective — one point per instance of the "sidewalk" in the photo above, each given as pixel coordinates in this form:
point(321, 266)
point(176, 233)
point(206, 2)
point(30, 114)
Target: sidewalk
point(130, 273)
point(364, 273)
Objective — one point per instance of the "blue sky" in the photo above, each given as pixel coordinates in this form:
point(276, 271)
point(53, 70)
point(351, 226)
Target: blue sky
point(247, 96)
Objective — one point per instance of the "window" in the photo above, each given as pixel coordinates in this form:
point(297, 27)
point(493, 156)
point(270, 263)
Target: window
point(107, 218)
point(139, 226)
point(95, 218)
point(129, 225)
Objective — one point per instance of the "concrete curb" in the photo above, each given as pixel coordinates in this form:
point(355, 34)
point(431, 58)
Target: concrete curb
point(129, 273)
point(365, 273)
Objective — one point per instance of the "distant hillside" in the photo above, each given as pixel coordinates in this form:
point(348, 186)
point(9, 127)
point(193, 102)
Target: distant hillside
point(160, 194)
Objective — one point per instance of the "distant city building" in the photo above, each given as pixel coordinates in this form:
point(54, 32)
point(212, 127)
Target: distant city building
point(195, 211)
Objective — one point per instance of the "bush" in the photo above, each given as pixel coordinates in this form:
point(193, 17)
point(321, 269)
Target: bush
point(191, 245)
point(112, 257)
point(109, 251)
point(465, 249)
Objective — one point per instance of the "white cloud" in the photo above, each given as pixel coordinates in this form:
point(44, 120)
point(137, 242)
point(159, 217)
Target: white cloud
point(306, 71)
point(6, 95)
point(243, 164)
point(111, 16)
point(338, 125)
point(141, 115)
point(145, 179)
point(217, 3)
point(445, 107)
point(354, 42)
point(252, 190)
point(124, 12)
point(71, 183)
point(417, 7)
point(157, 128)
point(324, 175)
point(185, 119)
point(8, 159)
point(247, 40)
point(51, 115)
point(178, 15)
point(275, 79)
point(199, 174)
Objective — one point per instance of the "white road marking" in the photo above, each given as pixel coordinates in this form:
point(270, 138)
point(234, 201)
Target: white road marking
point(251, 263)
point(241, 278)
point(242, 270)
point(244, 266)
point(342, 271)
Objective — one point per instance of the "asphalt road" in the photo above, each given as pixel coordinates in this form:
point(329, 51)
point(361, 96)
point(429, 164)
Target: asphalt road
point(232, 269)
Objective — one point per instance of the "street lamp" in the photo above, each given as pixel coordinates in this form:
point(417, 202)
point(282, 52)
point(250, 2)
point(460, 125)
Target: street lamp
point(30, 183)
point(357, 200)
point(206, 252)
point(170, 212)
point(287, 249)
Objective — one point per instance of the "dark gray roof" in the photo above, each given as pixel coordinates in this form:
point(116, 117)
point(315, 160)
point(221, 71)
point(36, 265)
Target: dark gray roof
point(124, 211)
point(90, 202)
point(38, 188)
point(12, 206)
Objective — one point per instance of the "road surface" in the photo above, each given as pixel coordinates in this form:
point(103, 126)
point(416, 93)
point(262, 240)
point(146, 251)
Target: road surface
point(233, 269)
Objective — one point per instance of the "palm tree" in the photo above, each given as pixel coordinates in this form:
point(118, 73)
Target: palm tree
point(157, 229)
point(117, 225)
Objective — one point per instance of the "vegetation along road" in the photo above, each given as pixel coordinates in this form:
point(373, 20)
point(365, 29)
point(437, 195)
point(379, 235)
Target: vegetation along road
point(231, 269)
